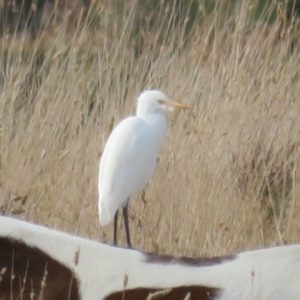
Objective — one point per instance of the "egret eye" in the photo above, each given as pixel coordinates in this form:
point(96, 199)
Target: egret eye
point(161, 101)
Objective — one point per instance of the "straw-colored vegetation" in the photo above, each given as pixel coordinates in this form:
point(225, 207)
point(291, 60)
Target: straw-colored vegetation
point(227, 178)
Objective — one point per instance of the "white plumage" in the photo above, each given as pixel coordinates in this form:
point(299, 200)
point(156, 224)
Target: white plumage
point(129, 157)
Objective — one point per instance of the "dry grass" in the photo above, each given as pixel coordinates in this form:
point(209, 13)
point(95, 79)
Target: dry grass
point(227, 178)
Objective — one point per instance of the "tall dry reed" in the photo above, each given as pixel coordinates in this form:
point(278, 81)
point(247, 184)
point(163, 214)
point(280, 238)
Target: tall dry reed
point(227, 178)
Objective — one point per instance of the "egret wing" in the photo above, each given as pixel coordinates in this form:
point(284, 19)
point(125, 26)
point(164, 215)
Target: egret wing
point(127, 164)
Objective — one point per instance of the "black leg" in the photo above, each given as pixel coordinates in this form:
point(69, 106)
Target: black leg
point(125, 215)
point(116, 228)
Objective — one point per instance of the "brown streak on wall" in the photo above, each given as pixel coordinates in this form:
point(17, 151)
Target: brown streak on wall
point(197, 292)
point(28, 265)
point(189, 261)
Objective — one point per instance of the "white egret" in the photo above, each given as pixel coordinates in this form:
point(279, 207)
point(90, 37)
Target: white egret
point(130, 155)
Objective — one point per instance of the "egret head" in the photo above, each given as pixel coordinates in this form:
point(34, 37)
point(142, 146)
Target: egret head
point(153, 101)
